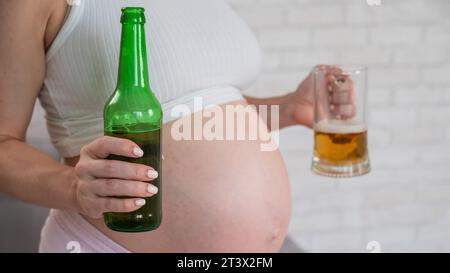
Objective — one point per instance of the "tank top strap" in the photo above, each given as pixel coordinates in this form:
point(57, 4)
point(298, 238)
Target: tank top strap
point(74, 14)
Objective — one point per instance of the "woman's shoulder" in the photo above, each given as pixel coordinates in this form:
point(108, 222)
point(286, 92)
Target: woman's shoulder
point(43, 18)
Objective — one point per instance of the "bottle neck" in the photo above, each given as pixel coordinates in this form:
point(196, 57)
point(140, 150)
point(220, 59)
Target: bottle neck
point(133, 69)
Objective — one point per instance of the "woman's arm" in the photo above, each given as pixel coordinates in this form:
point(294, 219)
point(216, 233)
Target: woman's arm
point(26, 173)
point(297, 108)
point(286, 111)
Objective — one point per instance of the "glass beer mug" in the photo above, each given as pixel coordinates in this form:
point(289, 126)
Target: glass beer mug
point(340, 122)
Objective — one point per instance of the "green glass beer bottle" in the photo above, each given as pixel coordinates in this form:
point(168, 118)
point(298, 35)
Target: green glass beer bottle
point(134, 113)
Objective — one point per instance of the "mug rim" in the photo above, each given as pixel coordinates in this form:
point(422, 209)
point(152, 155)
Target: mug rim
point(346, 68)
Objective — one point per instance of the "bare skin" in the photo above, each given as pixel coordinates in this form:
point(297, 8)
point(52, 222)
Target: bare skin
point(218, 196)
point(236, 200)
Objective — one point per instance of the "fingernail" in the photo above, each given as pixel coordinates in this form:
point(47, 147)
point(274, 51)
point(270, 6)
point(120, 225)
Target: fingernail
point(152, 189)
point(152, 174)
point(138, 152)
point(140, 202)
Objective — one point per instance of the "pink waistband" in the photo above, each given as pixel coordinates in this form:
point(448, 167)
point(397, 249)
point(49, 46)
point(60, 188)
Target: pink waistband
point(66, 231)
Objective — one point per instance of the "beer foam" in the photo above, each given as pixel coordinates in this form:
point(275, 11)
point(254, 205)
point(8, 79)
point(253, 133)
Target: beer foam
point(340, 126)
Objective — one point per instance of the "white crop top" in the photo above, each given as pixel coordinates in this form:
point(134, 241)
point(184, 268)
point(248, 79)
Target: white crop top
point(194, 48)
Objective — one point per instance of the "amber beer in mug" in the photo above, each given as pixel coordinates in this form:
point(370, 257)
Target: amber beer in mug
point(340, 130)
point(340, 146)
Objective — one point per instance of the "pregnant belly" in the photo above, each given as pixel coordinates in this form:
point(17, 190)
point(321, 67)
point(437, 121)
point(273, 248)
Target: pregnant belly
point(223, 196)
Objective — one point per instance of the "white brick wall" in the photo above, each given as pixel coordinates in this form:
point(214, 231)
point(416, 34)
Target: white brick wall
point(405, 202)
